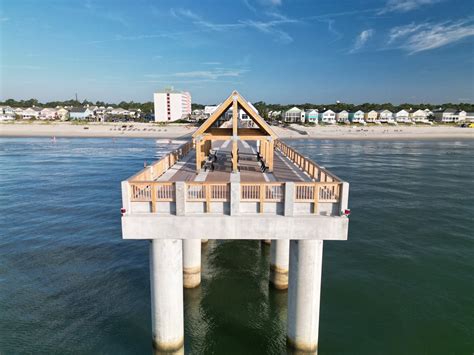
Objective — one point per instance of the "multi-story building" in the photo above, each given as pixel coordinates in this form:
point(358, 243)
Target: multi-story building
point(312, 116)
point(294, 115)
point(171, 105)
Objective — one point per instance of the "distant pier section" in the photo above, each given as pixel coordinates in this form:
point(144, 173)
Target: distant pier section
point(235, 181)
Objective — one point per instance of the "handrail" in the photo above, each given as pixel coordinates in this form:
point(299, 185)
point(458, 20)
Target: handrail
point(315, 171)
point(157, 168)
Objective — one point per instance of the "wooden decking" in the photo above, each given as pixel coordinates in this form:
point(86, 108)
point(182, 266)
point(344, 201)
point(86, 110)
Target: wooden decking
point(284, 170)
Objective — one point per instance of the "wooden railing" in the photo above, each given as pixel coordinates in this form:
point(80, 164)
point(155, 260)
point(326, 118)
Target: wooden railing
point(156, 169)
point(261, 193)
point(314, 171)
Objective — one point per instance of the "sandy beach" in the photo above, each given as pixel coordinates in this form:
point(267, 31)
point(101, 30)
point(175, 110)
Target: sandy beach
point(180, 131)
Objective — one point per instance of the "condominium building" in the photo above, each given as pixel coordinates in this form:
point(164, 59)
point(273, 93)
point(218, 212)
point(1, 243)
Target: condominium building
point(171, 105)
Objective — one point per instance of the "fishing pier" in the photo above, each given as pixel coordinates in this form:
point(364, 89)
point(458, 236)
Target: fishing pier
point(235, 181)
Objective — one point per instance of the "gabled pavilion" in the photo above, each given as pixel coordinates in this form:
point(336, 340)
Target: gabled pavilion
point(207, 133)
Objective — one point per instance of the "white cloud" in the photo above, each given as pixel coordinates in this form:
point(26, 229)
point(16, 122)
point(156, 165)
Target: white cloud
point(271, 27)
point(205, 75)
point(362, 39)
point(422, 37)
point(405, 5)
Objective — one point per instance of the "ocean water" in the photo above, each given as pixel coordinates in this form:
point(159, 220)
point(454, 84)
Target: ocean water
point(402, 284)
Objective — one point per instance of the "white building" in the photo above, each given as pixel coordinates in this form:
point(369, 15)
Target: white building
point(372, 116)
point(328, 117)
point(6, 113)
point(171, 105)
point(420, 116)
point(385, 116)
point(358, 117)
point(342, 116)
point(312, 116)
point(294, 115)
point(30, 113)
point(48, 114)
point(402, 116)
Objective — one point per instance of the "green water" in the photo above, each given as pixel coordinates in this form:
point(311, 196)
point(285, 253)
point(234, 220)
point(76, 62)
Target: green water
point(402, 284)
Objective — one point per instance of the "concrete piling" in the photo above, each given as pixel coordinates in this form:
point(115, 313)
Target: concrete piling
point(304, 294)
point(279, 261)
point(166, 284)
point(191, 263)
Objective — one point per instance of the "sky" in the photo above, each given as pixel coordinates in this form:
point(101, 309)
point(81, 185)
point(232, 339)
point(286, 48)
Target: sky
point(277, 51)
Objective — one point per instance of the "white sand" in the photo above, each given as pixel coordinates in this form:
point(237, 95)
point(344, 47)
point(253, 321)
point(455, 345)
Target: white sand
point(147, 130)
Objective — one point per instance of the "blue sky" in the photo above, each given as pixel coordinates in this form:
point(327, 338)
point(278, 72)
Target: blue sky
point(278, 51)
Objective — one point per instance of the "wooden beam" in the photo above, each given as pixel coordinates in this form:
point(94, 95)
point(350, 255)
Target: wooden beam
point(214, 117)
point(235, 117)
point(255, 116)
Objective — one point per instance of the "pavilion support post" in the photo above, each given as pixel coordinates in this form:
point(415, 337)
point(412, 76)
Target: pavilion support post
point(234, 156)
point(191, 263)
point(198, 155)
point(279, 261)
point(166, 283)
point(271, 149)
point(304, 291)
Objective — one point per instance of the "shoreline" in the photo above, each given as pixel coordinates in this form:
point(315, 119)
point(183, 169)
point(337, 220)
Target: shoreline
point(149, 130)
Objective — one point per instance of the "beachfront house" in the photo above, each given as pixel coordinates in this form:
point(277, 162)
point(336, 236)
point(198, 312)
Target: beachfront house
point(48, 113)
point(357, 117)
point(62, 113)
point(294, 115)
point(80, 113)
point(445, 116)
point(342, 116)
point(328, 117)
point(311, 116)
point(119, 112)
point(420, 116)
point(470, 116)
point(402, 116)
point(371, 116)
point(30, 113)
point(460, 116)
point(6, 113)
point(385, 116)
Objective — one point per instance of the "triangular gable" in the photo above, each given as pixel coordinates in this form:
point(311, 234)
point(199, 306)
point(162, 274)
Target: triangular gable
point(254, 116)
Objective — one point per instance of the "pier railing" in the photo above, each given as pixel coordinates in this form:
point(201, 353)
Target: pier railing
point(315, 171)
point(156, 169)
point(215, 197)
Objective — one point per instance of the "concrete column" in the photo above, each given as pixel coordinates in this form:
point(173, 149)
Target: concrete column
point(279, 260)
point(166, 283)
point(304, 293)
point(191, 263)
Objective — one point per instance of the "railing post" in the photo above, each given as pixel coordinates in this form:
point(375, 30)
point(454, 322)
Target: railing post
point(234, 198)
point(289, 199)
point(180, 190)
point(262, 197)
point(153, 197)
point(316, 198)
